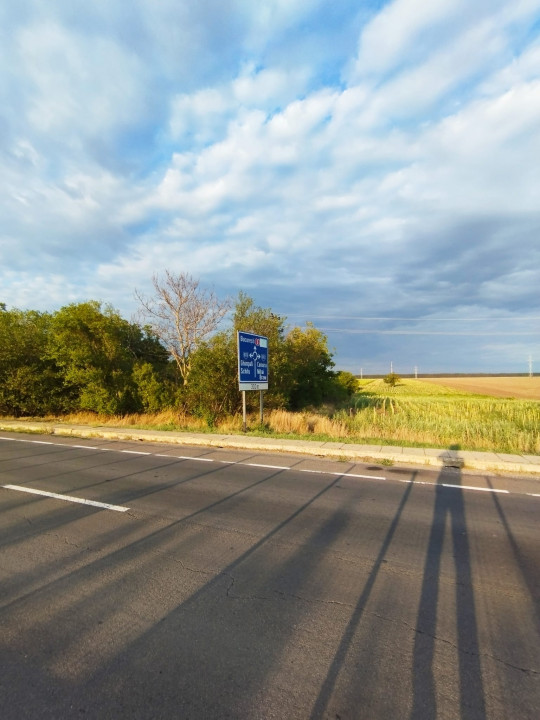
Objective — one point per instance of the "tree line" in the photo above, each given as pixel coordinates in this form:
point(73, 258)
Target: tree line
point(87, 357)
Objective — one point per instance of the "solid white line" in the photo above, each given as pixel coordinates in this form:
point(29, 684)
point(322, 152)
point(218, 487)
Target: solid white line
point(68, 498)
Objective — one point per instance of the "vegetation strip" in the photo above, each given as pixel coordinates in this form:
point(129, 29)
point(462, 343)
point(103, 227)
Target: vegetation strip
point(85, 360)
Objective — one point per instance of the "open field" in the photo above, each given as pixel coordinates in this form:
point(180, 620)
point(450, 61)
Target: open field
point(415, 413)
point(517, 387)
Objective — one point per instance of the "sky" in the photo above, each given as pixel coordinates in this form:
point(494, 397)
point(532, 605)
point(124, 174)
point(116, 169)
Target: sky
point(372, 167)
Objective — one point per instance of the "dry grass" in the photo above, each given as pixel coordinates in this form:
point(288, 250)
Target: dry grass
point(283, 422)
point(527, 388)
point(165, 420)
point(280, 422)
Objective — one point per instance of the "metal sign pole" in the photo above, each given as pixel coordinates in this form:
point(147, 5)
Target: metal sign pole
point(244, 410)
point(261, 403)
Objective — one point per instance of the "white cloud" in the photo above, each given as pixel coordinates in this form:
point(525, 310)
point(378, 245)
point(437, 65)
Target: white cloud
point(175, 136)
point(402, 29)
point(76, 81)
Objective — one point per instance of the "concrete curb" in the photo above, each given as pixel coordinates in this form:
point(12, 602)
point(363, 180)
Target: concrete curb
point(380, 454)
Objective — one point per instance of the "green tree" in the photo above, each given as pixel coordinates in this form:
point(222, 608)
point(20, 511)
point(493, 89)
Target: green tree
point(30, 382)
point(97, 351)
point(310, 366)
point(300, 370)
point(212, 391)
point(392, 379)
point(348, 381)
point(152, 391)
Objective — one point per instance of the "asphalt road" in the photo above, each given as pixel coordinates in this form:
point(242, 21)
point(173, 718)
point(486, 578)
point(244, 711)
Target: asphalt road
point(223, 584)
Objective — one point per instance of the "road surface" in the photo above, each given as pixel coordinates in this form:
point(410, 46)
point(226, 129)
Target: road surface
point(148, 581)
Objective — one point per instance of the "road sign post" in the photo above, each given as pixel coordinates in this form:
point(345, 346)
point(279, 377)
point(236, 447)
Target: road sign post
point(252, 367)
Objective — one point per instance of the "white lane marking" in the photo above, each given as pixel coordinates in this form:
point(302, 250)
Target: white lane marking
point(274, 467)
point(67, 498)
point(270, 467)
point(57, 444)
point(200, 459)
point(342, 474)
point(363, 477)
point(473, 487)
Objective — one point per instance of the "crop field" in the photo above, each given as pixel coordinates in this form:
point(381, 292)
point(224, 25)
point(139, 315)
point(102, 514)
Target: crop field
point(417, 412)
point(425, 414)
point(517, 387)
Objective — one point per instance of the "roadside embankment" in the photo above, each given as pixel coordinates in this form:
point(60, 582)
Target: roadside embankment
point(380, 454)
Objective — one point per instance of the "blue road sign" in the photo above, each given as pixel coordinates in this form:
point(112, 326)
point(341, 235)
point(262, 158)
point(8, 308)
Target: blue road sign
point(252, 361)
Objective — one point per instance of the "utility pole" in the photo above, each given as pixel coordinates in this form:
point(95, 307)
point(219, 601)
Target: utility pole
point(361, 373)
point(530, 366)
point(416, 372)
point(391, 367)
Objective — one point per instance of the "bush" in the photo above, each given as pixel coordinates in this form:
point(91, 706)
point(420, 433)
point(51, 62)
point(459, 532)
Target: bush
point(392, 379)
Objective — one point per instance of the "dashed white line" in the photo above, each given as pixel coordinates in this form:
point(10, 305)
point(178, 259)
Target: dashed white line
point(472, 487)
point(67, 498)
point(362, 477)
point(200, 459)
point(269, 467)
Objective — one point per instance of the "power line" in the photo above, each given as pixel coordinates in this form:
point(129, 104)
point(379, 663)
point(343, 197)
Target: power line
point(349, 331)
point(478, 318)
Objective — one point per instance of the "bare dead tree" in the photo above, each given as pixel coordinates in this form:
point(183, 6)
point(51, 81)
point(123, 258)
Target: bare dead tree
point(182, 315)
